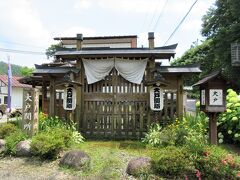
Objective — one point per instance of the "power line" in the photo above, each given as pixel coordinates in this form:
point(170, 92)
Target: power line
point(160, 15)
point(21, 44)
point(180, 22)
point(155, 11)
point(21, 51)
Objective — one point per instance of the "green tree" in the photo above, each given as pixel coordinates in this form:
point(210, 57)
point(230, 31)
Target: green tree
point(220, 27)
point(25, 71)
point(53, 49)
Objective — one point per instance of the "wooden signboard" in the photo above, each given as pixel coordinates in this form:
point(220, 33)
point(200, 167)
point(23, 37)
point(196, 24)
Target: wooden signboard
point(30, 111)
point(156, 99)
point(69, 100)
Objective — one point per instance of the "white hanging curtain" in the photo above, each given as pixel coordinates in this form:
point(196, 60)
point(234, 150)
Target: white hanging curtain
point(131, 70)
point(96, 70)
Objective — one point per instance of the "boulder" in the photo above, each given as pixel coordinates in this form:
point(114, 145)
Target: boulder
point(23, 148)
point(76, 159)
point(2, 145)
point(138, 166)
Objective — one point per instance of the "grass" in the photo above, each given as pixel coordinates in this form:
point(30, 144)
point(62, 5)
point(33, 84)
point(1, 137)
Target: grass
point(109, 159)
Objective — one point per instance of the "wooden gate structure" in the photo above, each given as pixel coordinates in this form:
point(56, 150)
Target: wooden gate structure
point(112, 107)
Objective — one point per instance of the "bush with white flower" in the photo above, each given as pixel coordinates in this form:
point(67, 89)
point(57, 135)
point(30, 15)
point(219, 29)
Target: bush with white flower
point(229, 121)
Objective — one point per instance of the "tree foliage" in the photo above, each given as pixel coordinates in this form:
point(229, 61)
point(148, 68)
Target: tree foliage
point(221, 27)
point(25, 71)
point(53, 49)
point(16, 70)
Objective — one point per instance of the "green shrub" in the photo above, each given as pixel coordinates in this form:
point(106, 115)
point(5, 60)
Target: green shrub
point(216, 163)
point(12, 140)
point(47, 123)
point(152, 137)
point(157, 136)
point(191, 130)
point(228, 122)
point(172, 162)
point(48, 144)
point(6, 129)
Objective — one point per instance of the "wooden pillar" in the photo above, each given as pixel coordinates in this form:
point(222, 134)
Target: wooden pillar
point(52, 102)
point(180, 109)
point(150, 65)
point(151, 40)
point(79, 41)
point(212, 128)
point(79, 89)
point(44, 97)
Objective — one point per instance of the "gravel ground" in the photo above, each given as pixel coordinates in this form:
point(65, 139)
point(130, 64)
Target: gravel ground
point(12, 168)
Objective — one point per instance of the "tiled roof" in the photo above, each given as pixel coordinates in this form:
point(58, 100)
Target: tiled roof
point(15, 82)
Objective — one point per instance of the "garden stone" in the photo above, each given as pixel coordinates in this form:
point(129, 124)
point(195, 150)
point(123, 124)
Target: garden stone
point(76, 159)
point(2, 145)
point(138, 166)
point(23, 148)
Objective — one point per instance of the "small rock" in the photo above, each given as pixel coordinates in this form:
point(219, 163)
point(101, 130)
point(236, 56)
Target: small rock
point(138, 166)
point(76, 159)
point(23, 148)
point(2, 145)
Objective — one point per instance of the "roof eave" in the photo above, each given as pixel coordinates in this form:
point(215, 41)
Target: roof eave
point(157, 54)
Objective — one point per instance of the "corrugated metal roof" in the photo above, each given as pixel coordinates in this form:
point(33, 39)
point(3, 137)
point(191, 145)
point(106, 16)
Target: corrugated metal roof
point(209, 77)
point(55, 70)
point(159, 52)
point(97, 37)
point(15, 82)
point(178, 69)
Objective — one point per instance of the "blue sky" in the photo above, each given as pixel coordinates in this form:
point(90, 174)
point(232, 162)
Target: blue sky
point(31, 25)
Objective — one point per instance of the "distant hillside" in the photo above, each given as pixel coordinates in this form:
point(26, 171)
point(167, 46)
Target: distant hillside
point(16, 70)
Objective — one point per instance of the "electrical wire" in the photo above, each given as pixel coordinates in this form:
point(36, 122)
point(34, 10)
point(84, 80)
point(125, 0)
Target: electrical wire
point(160, 15)
point(21, 44)
point(21, 51)
point(155, 11)
point(180, 22)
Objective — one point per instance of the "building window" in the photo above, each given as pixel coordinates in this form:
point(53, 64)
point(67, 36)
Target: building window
point(5, 99)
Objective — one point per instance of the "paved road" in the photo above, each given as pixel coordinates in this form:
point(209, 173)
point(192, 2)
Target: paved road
point(191, 105)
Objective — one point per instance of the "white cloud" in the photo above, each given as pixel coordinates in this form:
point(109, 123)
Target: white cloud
point(73, 31)
point(143, 39)
point(140, 6)
point(20, 22)
point(82, 4)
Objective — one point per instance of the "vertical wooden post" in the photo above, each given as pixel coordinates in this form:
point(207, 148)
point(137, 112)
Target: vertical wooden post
point(180, 97)
point(150, 65)
point(44, 97)
point(79, 94)
point(213, 128)
point(52, 102)
point(79, 89)
point(30, 111)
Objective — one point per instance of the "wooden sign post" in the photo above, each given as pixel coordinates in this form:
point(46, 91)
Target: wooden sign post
point(30, 111)
point(212, 100)
point(156, 99)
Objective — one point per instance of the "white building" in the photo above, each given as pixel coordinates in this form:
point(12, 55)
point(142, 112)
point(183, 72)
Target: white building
point(17, 91)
